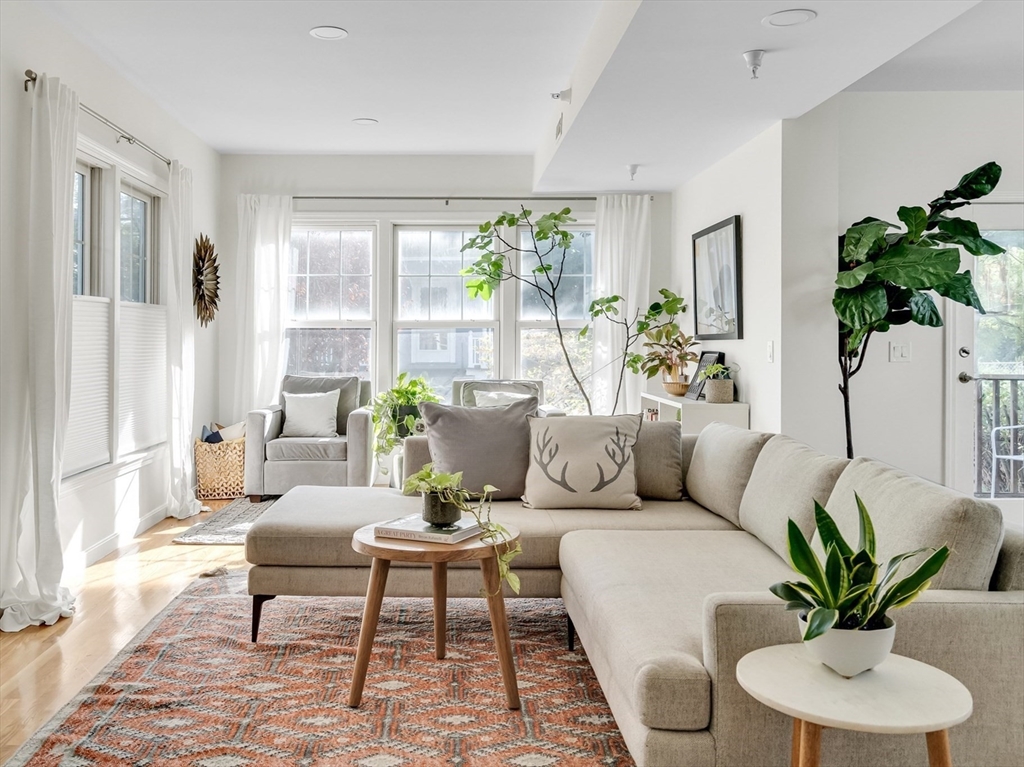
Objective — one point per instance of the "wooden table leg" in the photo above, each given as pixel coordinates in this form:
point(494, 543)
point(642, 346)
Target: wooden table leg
point(810, 744)
point(938, 749)
point(794, 754)
point(440, 606)
point(368, 630)
point(499, 625)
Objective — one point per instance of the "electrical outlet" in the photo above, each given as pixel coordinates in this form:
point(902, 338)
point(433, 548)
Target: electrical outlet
point(899, 351)
point(771, 351)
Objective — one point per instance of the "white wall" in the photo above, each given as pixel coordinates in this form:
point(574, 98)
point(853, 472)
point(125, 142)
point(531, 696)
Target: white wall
point(123, 500)
point(865, 154)
point(747, 183)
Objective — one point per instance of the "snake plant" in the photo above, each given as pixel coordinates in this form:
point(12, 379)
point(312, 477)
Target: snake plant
point(850, 590)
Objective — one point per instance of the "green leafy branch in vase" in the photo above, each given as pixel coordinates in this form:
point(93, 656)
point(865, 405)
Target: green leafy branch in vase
point(883, 275)
point(448, 487)
point(850, 590)
point(657, 325)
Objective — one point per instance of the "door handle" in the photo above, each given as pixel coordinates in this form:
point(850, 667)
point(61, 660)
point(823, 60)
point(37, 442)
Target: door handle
point(965, 378)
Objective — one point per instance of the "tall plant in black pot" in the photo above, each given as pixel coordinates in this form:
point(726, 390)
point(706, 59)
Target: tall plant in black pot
point(884, 275)
point(395, 412)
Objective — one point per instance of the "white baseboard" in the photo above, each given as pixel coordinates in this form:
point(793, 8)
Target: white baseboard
point(100, 549)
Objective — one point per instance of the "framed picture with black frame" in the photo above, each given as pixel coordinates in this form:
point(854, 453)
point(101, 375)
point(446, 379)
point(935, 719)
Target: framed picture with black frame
point(697, 385)
point(717, 282)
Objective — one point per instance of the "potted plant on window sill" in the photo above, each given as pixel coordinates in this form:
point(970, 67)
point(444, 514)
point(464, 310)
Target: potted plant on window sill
point(395, 413)
point(445, 499)
point(668, 353)
point(718, 385)
point(843, 603)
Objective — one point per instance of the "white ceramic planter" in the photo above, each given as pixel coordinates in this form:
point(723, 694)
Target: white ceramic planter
point(850, 652)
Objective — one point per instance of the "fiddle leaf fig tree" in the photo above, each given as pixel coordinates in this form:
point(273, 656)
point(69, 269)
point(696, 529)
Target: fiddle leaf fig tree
point(884, 276)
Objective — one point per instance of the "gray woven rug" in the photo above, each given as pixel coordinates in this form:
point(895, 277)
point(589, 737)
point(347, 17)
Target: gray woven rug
point(226, 527)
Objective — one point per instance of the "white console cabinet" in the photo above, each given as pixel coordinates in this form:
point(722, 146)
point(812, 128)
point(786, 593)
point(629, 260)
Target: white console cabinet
point(694, 415)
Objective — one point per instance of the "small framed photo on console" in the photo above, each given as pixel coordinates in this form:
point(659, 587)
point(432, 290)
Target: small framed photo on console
point(696, 385)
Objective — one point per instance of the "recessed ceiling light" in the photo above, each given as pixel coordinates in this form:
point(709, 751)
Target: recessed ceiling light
point(365, 121)
point(329, 33)
point(789, 18)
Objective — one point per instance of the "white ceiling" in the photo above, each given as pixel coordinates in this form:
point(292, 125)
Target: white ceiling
point(442, 77)
point(983, 50)
point(676, 95)
point(474, 76)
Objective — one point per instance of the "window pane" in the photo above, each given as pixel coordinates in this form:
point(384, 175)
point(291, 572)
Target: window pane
point(445, 255)
point(324, 298)
point(574, 290)
point(328, 351)
point(297, 289)
point(414, 298)
point(325, 252)
point(299, 261)
point(78, 212)
point(475, 308)
point(356, 298)
point(413, 252)
point(444, 354)
point(446, 298)
point(356, 252)
point(540, 357)
point(999, 280)
point(134, 248)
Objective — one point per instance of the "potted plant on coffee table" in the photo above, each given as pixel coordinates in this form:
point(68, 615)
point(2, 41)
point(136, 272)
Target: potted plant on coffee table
point(718, 385)
point(844, 602)
point(668, 353)
point(395, 413)
point(445, 499)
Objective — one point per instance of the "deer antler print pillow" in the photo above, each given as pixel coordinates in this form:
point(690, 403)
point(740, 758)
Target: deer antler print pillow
point(582, 462)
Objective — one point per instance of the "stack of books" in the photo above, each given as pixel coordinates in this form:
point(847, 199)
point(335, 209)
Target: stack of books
point(413, 528)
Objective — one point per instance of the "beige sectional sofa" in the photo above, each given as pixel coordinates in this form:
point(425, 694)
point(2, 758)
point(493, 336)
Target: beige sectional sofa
point(668, 598)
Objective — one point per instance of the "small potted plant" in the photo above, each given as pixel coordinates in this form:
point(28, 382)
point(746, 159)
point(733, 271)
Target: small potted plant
point(395, 413)
point(844, 602)
point(445, 491)
point(668, 353)
point(718, 386)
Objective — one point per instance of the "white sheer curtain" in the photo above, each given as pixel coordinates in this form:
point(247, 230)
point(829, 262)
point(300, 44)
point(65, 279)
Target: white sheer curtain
point(33, 557)
point(181, 361)
point(264, 239)
point(622, 266)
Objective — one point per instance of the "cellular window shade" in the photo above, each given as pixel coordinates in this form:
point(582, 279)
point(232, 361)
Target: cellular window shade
point(87, 442)
point(142, 377)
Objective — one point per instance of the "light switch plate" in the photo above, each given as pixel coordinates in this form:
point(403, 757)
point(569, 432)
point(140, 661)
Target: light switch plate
point(899, 351)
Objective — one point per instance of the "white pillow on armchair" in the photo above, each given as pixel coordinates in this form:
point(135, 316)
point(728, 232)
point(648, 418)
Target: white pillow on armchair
point(311, 415)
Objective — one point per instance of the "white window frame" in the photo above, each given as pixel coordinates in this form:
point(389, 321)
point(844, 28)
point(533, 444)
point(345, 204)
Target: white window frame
point(398, 325)
point(306, 224)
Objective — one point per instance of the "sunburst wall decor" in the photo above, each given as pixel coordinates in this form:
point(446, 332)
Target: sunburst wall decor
point(205, 280)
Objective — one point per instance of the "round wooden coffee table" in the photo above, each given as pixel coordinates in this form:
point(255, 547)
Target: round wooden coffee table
point(387, 550)
point(899, 696)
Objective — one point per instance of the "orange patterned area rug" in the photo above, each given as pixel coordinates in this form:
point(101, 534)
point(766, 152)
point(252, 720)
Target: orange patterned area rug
point(191, 690)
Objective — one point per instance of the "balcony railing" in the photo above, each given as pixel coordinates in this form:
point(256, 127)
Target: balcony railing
point(999, 403)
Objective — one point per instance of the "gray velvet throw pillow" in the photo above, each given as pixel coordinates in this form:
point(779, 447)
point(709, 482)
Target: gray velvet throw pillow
point(582, 462)
point(659, 461)
point(490, 446)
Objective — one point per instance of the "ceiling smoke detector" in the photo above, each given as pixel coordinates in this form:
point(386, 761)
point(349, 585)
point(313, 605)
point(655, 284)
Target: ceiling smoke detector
point(790, 18)
point(365, 121)
point(753, 59)
point(329, 33)
point(632, 171)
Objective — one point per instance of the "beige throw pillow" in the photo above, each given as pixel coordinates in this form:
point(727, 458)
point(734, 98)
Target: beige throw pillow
point(582, 462)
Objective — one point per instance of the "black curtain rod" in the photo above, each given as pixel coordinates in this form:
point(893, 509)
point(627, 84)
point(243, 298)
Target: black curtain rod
point(30, 77)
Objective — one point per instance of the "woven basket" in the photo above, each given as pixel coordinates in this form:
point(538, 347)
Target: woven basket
point(220, 469)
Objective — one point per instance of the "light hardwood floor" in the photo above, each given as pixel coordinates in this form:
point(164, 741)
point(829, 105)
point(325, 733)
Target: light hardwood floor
point(41, 668)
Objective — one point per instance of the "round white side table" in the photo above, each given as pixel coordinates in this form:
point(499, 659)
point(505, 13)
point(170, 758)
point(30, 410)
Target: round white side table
point(899, 696)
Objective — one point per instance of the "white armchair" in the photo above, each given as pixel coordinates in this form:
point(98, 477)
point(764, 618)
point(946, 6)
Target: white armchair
point(275, 464)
